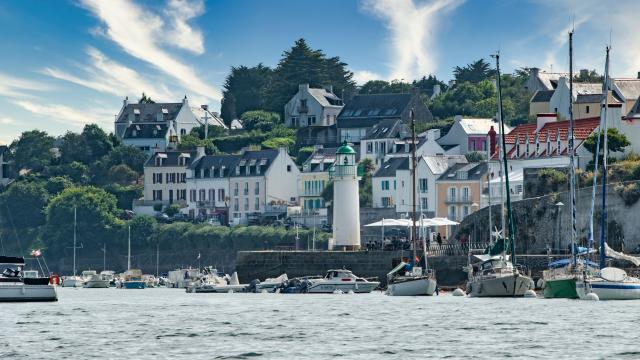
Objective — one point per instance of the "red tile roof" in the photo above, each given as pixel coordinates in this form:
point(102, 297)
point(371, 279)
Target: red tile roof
point(582, 129)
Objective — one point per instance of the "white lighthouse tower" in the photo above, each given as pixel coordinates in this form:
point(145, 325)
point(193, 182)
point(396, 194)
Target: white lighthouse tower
point(346, 200)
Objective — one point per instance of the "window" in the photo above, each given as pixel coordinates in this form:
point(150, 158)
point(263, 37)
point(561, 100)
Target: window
point(452, 194)
point(311, 120)
point(424, 204)
point(288, 168)
point(548, 148)
point(385, 185)
point(192, 195)
point(212, 195)
point(587, 109)
point(202, 195)
point(369, 147)
point(465, 194)
point(257, 204)
point(246, 188)
point(423, 185)
point(237, 170)
point(246, 204)
point(236, 206)
point(294, 121)
point(235, 190)
point(221, 195)
point(452, 213)
point(472, 145)
point(328, 119)
point(157, 195)
point(257, 189)
point(183, 131)
point(386, 202)
point(394, 184)
point(465, 211)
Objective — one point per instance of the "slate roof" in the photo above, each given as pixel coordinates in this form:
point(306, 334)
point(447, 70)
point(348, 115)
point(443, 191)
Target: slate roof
point(216, 162)
point(588, 98)
point(3, 149)
point(385, 129)
point(629, 88)
point(146, 131)
point(437, 164)
point(388, 168)
point(325, 98)
point(149, 112)
point(474, 171)
point(550, 80)
point(171, 158)
point(542, 96)
point(365, 110)
point(253, 158)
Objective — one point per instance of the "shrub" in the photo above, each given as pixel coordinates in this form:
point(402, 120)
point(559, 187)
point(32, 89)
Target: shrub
point(172, 209)
point(630, 193)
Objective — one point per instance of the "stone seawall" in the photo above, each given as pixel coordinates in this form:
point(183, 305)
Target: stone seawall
point(263, 264)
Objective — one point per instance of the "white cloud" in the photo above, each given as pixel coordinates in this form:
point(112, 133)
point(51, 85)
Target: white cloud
point(413, 28)
point(108, 76)
point(139, 32)
point(182, 35)
point(67, 115)
point(7, 121)
point(11, 86)
point(362, 76)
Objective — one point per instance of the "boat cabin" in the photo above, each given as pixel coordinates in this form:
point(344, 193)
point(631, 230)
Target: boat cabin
point(342, 275)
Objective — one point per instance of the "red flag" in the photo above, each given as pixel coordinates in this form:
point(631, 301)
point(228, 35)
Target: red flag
point(417, 259)
point(36, 252)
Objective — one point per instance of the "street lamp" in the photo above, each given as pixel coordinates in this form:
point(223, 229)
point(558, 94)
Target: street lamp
point(558, 206)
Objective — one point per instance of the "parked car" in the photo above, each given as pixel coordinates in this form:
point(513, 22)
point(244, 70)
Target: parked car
point(326, 228)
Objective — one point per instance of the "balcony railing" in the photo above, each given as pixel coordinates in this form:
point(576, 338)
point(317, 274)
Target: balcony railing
point(458, 200)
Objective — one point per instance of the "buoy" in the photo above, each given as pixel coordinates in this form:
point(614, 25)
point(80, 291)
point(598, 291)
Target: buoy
point(458, 292)
point(350, 292)
point(530, 294)
point(338, 291)
point(540, 283)
point(592, 296)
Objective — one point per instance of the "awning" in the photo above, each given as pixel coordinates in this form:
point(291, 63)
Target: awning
point(391, 222)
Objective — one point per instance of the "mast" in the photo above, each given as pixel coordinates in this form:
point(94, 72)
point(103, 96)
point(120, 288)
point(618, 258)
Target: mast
point(75, 221)
point(413, 183)
point(490, 220)
point(603, 221)
point(506, 168)
point(129, 249)
point(572, 172)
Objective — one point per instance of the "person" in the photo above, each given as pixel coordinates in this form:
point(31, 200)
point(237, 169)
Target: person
point(439, 239)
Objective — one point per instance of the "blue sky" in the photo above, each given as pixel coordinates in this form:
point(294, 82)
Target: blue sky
point(66, 63)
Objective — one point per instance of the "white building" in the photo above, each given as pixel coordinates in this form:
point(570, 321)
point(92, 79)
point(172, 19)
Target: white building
point(312, 107)
point(559, 102)
point(469, 135)
point(208, 186)
point(155, 126)
point(346, 200)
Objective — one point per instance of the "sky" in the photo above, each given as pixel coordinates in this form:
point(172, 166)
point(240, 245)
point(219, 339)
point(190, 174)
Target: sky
point(67, 63)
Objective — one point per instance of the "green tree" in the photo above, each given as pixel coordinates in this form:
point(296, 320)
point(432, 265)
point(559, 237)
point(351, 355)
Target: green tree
point(191, 142)
point(366, 189)
point(57, 184)
point(616, 141)
point(131, 156)
point(244, 90)
point(260, 120)
point(73, 147)
point(275, 143)
point(122, 174)
point(33, 150)
point(475, 72)
point(475, 156)
point(143, 228)
point(97, 141)
point(22, 205)
point(172, 209)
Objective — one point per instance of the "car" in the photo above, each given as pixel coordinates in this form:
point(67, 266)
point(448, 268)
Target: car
point(326, 228)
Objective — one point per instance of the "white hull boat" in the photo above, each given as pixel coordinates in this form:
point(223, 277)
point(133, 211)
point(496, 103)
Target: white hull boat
point(412, 286)
point(497, 277)
point(212, 283)
point(610, 284)
point(271, 284)
point(15, 287)
point(341, 281)
point(94, 280)
point(72, 281)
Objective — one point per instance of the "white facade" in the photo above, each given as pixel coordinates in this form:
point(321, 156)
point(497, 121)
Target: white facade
point(380, 150)
point(346, 200)
point(312, 107)
point(469, 135)
point(559, 102)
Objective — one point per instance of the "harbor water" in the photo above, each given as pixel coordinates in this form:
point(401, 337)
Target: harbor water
point(171, 324)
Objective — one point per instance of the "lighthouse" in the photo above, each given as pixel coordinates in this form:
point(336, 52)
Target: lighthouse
point(346, 200)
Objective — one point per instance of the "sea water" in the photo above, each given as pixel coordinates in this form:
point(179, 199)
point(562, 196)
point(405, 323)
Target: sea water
point(171, 324)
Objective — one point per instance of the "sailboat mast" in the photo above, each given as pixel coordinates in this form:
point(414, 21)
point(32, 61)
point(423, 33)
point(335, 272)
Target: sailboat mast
point(603, 220)
point(490, 203)
point(506, 167)
point(413, 183)
point(75, 220)
point(570, 136)
point(129, 249)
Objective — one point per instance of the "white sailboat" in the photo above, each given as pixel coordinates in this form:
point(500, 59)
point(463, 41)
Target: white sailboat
point(73, 281)
point(609, 283)
point(415, 281)
point(497, 274)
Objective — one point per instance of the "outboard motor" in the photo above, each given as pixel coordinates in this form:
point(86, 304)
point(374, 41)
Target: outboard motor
point(252, 286)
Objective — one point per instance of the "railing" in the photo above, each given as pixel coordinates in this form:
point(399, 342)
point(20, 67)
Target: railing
point(140, 202)
point(206, 204)
point(461, 200)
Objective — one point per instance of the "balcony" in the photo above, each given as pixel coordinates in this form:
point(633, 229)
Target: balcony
point(140, 202)
point(206, 204)
point(458, 200)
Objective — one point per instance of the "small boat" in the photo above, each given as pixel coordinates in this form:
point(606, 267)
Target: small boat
point(610, 284)
point(110, 276)
point(181, 278)
point(94, 280)
point(212, 283)
point(72, 281)
point(268, 285)
point(18, 286)
point(403, 282)
point(497, 277)
point(133, 279)
point(150, 281)
point(341, 280)
point(560, 278)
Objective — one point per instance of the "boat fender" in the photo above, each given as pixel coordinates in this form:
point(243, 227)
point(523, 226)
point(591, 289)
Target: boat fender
point(458, 292)
point(350, 292)
point(530, 294)
point(541, 283)
point(592, 297)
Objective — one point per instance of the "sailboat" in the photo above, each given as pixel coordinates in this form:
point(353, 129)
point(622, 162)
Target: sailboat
point(560, 277)
point(405, 280)
point(132, 277)
point(609, 283)
point(497, 274)
point(73, 281)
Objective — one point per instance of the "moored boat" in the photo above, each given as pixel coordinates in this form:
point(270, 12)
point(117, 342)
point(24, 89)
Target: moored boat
point(17, 286)
point(133, 279)
point(341, 280)
point(497, 277)
point(413, 282)
point(94, 280)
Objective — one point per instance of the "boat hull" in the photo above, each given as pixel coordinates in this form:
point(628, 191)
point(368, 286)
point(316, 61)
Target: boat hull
point(27, 293)
point(560, 288)
point(133, 284)
point(96, 284)
point(72, 283)
point(422, 286)
point(504, 286)
point(609, 290)
point(216, 289)
point(328, 288)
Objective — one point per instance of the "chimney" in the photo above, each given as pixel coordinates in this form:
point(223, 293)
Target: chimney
point(200, 152)
point(303, 87)
point(457, 118)
point(125, 102)
point(545, 118)
point(185, 101)
point(329, 88)
point(436, 90)
point(638, 76)
point(534, 71)
point(492, 141)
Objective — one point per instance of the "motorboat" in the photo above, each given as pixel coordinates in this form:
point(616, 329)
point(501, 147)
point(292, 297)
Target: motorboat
point(94, 280)
point(495, 276)
point(271, 284)
point(341, 280)
point(18, 286)
point(211, 282)
point(182, 278)
point(110, 276)
point(413, 282)
point(133, 279)
point(150, 281)
point(72, 281)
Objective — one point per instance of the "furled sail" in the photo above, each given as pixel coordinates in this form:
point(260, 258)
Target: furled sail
point(609, 252)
